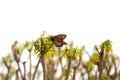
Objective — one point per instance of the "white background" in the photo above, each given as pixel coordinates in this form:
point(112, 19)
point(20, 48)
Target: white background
point(85, 22)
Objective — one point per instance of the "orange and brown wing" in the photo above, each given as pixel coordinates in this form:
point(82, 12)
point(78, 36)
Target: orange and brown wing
point(59, 43)
point(59, 37)
point(58, 40)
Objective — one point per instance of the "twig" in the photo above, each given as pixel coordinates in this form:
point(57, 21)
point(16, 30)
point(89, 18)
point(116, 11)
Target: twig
point(69, 68)
point(30, 65)
point(24, 77)
point(16, 74)
point(101, 64)
point(60, 58)
point(75, 68)
point(44, 67)
point(20, 70)
point(36, 69)
point(7, 77)
point(74, 73)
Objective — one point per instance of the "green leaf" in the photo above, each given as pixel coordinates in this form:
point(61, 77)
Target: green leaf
point(106, 45)
point(42, 45)
point(88, 65)
point(95, 58)
point(105, 77)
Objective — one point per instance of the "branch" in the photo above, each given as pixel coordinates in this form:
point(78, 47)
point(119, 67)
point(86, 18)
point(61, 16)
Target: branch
point(44, 67)
point(17, 74)
point(69, 68)
point(24, 77)
point(20, 70)
point(30, 65)
point(36, 69)
point(101, 65)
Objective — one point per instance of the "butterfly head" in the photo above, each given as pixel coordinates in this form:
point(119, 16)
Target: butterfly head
point(52, 38)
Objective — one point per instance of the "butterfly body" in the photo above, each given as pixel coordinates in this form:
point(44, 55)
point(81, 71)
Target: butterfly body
point(58, 40)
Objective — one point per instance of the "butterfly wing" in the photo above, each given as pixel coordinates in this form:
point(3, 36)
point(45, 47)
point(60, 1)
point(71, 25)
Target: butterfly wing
point(58, 40)
point(59, 43)
point(59, 37)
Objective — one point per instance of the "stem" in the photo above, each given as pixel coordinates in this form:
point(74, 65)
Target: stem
point(52, 72)
point(74, 73)
point(75, 69)
point(24, 71)
point(30, 65)
point(7, 77)
point(16, 74)
point(60, 58)
point(17, 59)
point(69, 68)
point(115, 73)
point(101, 65)
point(20, 70)
point(88, 75)
point(44, 67)
point(82, 75)
point(36, 68)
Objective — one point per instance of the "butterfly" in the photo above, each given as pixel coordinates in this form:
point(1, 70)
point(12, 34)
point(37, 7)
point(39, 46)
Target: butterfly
point(58, 40)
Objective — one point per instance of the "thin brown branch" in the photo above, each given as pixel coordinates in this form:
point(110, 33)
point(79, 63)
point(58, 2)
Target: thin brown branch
point(69, 68)
point(24, 77)
point(16, 74)
point(101, 65)
point(7, 77)
point(60, 59)
point(75, 68)
point(20, 70)
point(30, 65)
point(44, 67)
point(36, 69)
point(74, 73)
